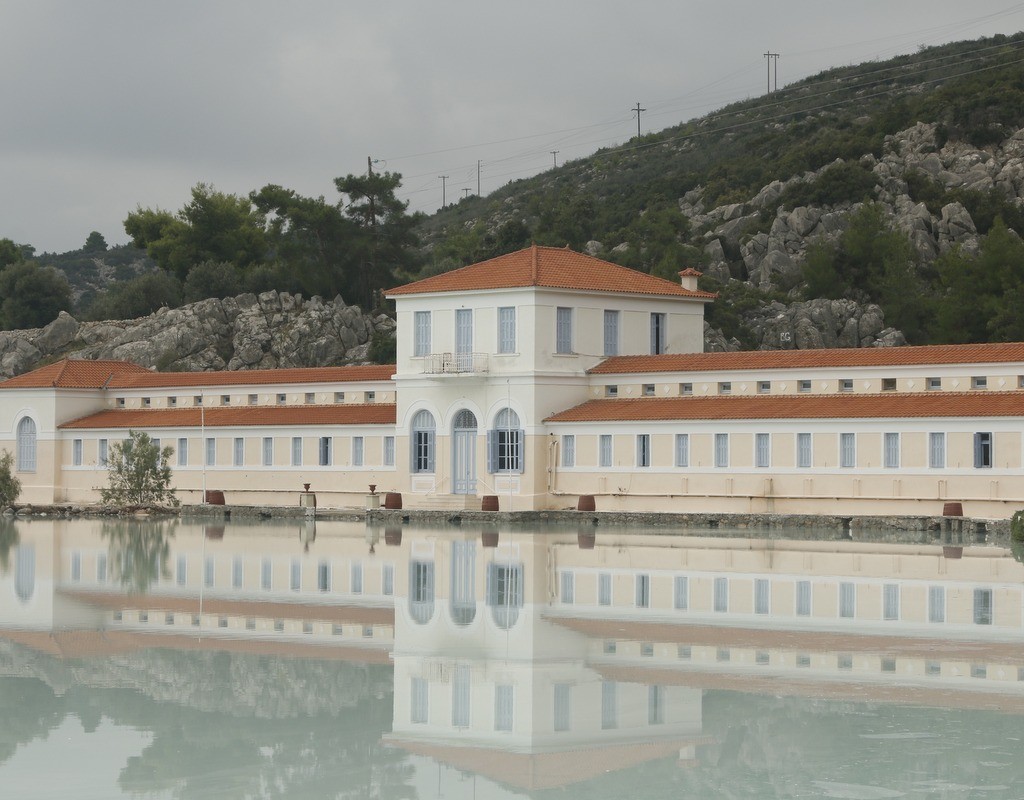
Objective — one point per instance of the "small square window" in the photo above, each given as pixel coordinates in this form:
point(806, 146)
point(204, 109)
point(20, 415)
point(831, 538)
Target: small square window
point(979, 382)
point(146, 402)
point(172, 401)
point(120, 402)
point(611, 391)
point(888, 384)
point(371, 397)
point(225, 399)
point(253, 399)
point(846, 384)
point(725, 387)
point(803, 386)
point(339, 397)
point(1020, 381)
point(197, 400)
point(764, 387)
point(310, 398)
point(933, 384)
point(685, 388)
point(648, 390)
point(282, 399)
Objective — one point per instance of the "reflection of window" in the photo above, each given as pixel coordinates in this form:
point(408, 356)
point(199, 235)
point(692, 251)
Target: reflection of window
point(604, 589)
point(891, 601)
point(681, 598)
point(296, 575)
point(463, 582)
point(388, 580)
point(567, 587)
point(323, 576)
point(609, 708)
point(847, 600)
point(563, 706)
point(504, 707)
point(803, 598)
point(237, 572)
point(266, 574)
point(505, 593)
point(643, 591)
point(418, 701)
point(460, 696)
point(655, 705)
point(721, 599)
point(357, 578)
point(936, 603)
point(982, 606)
point(421, 590)
point(761, 595)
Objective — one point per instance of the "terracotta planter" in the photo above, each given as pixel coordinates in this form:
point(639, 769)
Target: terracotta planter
point(214, 497)
point(393, 500)
point(489, 502)
point(953, 510)
point(586, 503)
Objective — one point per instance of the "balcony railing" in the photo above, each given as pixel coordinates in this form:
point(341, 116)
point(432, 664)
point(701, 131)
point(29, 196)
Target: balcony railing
point(454, 363)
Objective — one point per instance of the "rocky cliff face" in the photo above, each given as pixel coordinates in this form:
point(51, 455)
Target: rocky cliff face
point(244, 332)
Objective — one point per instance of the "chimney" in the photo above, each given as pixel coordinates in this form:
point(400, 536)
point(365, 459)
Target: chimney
point(688, 278)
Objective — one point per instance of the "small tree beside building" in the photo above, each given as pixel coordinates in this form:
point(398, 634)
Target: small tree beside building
point(139, 473)
point(10, 486)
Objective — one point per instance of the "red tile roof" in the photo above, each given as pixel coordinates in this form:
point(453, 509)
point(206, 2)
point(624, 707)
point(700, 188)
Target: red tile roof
point(549, 267)
point(254, 377)
point(839, 406)
point(810, 359)
point(148, 418)
point(72, 373)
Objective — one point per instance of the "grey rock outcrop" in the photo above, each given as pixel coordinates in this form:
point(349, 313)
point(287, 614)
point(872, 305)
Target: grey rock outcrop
point(244, 332)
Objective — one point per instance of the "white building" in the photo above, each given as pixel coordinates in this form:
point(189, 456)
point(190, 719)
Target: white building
point(540, 376)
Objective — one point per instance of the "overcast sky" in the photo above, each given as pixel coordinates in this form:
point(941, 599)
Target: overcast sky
point(106, 105)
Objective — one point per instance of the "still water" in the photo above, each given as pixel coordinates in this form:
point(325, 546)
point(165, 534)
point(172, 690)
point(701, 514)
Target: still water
point(187, 660)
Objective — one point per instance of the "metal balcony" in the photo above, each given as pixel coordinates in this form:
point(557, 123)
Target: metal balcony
point(454, 363)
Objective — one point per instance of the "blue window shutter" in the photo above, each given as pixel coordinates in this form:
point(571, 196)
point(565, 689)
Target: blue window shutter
point(414, 435)
point(430, 451)
point(492, 451)
point(522, 451)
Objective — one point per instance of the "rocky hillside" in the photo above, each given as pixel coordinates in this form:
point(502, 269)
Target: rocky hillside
point(245, 332)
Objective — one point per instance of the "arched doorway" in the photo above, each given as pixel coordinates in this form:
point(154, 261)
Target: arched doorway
point(464, 453)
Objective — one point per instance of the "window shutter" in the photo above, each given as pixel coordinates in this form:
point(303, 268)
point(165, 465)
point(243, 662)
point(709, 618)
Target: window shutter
point(492, 451)
point(430, 451)
point(522, 451)
point(978, 459)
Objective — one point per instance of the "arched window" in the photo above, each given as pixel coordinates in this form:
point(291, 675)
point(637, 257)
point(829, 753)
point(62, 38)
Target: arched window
point(27, 445)
point(421, 442)
point(505, 443)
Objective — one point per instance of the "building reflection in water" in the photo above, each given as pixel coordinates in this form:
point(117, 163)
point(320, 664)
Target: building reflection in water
point(537, 660)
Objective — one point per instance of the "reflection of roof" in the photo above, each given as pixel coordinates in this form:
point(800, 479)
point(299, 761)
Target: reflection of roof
point(545, 770)
point(895, 644)
point(72, 373)
point(549, 267)
point(240, 416)
point(99, 644)
point(364, 615)
point(837, 406)
point(812, 359)
point(857, 688)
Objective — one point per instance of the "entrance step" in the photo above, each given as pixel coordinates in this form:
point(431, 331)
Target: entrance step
point(443, 502)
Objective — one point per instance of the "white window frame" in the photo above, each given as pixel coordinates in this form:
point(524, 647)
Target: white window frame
point(762, 450)
point(358, 450)
point(506, 330)
point(211, 451)
point(605, 450)
point(296, 451)
point(643, 450)
point(803, 598)
point(659, 333)
point(388, 459)
point(238, 451)
point(568, 450)
point(936, 450)
point(27, 444)
point(721, 442)
point(268, 451)
point(611, 332)
point(325, 451)
point(847, 450)
point(182, 451)
point(563, 330)
point(76, 452)
point(682, 450)
point(804, 450)
point(102, 452)
point(421, 334)
point(891, 450)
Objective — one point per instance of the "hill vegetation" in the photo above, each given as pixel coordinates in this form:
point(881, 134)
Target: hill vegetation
point(894, 183)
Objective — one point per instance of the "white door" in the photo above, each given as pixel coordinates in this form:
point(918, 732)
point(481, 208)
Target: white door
point(464, 341)
point(464, 453)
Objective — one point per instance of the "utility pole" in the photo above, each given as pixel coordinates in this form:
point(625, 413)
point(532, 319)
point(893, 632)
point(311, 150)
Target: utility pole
point(772, 57)
point(478, 177)
point(465, 193)
point(444, 185)
point(638, 111)
point(554, 157)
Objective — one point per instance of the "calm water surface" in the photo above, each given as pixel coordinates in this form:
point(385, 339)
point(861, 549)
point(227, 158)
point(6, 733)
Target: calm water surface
point(188, 660)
